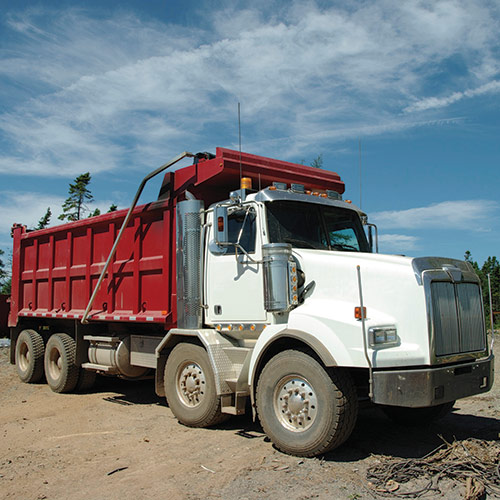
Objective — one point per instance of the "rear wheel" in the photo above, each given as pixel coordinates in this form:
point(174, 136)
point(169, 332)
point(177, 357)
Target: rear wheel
point(190, 387)
point(29, 356)
point(61, 370)
point(304, 409)
point(417, 417)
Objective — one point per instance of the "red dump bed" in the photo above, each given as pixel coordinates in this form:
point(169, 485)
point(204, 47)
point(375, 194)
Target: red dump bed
point(55, 270)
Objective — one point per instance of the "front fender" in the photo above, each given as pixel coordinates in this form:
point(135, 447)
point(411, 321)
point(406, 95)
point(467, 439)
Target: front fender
point(273, 334)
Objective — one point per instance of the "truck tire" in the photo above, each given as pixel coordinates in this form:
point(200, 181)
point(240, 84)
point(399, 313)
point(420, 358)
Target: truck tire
point(86, 380)
point(417, 417)
point(29, 356)
point(190, 387)
point(303, 408)
point(61, 370)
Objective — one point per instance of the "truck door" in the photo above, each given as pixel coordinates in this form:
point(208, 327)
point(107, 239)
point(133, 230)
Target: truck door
point(234, 283)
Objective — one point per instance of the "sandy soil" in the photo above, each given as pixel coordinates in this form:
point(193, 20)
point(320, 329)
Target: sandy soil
point(121, 441)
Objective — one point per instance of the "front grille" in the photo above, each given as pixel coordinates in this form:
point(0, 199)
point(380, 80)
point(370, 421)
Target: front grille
point(457, 318)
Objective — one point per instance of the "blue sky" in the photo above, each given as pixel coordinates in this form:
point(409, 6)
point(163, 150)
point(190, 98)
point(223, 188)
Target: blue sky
point(119, 87)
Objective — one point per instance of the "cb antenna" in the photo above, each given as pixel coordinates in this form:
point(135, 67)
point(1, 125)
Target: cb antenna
point(239, 140)
point(359, 161)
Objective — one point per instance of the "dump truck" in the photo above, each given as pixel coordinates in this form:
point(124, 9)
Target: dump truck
point(249, 285)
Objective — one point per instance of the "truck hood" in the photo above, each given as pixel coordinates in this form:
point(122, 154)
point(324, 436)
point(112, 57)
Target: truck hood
point(391, 293)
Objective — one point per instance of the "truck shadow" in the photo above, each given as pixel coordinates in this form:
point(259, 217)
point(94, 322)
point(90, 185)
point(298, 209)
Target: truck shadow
point(378, 435)
point(374, 432)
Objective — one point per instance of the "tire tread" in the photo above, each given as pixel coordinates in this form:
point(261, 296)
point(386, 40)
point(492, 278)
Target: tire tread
point(69, 378)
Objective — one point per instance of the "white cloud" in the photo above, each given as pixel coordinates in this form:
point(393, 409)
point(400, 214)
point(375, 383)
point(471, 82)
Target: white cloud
point(467, 215)
point(441, 102)
point(26, 208)
point(397, 243)
point(97, 94)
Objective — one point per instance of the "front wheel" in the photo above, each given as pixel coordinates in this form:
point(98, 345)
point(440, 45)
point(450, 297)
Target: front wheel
point(304, 409)
point(190, 387)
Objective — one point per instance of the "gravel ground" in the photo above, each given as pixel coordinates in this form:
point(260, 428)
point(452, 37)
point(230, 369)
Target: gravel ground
point(121, 441)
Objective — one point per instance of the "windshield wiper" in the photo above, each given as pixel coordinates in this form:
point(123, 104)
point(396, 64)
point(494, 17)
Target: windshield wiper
point(305, 244)
point(345, 247)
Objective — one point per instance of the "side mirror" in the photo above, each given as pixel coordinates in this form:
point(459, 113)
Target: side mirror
point(371, 228)
point(220, 226)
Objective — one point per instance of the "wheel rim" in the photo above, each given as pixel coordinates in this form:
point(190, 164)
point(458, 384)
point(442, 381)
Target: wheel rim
point(55, 364)
point(295, 403)
point(24, 357)
point(190, 384)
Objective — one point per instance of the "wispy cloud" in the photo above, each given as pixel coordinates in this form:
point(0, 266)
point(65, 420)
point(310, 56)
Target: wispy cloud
point(26, 208)
point(95, 94)
point(441, 102)
point(398, 243)
point(467, 215)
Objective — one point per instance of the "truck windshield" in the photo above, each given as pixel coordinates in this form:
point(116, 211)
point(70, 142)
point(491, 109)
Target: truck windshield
point(322, 227)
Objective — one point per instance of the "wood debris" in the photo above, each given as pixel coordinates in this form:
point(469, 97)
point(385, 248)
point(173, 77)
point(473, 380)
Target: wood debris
point(473, 462)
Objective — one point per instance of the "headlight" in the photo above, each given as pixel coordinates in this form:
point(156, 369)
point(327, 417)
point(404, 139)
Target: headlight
point(383, 335)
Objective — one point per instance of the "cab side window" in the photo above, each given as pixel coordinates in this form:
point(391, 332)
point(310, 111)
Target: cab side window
point(242, 228)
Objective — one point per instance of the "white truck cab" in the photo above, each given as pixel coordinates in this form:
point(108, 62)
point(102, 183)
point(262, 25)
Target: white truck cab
point(295, 311)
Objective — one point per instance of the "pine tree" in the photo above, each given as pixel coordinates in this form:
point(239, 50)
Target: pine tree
point(317, 162)
point(95, 213)
point(44, 221)
point(79, 194)
point(112, 208)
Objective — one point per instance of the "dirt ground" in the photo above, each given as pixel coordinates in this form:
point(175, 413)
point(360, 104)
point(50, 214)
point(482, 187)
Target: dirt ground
point(122, 441)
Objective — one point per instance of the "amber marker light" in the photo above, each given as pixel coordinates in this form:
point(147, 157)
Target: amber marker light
point(252, 327)
point(357, 313)
point(241, 328)
point(272, 188)
point(246, 183)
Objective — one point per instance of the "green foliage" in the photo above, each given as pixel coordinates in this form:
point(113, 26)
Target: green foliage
point(317, 162)
point(492, 267)
point(112, 208)
point(95, 213)
point(5, 280)
point(75, 205)
point(44, 221)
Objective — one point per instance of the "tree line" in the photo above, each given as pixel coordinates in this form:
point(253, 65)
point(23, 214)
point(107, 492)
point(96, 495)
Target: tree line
point(75, 207)
point(491, 267)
